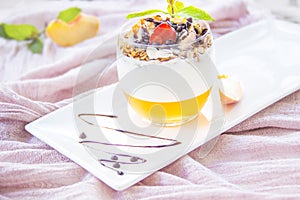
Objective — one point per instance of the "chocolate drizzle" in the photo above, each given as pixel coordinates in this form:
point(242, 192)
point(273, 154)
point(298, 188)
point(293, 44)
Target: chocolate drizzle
point(95, 115)
point(129, 145)
point(174, 142)
point(117, 160)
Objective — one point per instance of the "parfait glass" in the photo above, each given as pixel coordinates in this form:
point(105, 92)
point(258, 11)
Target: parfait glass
point(166, 81)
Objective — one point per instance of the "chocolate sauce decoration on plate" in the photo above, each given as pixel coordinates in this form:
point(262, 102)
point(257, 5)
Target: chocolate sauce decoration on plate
point(115, 162)
point(174, 142)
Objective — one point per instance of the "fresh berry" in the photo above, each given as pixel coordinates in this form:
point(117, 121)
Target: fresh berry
point(162, 33)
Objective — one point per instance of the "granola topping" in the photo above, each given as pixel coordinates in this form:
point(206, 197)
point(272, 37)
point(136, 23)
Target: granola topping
point(164, 38)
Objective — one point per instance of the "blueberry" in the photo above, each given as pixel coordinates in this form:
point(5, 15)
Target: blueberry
point(204, 31)
point(183, 26)
point(190, 20)
point(188, 24)
point(149, 19)
point(179, 28)
point(156, 23)
point(196, 31)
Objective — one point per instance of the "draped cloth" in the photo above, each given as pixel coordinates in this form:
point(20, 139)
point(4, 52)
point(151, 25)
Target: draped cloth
point(259, 158)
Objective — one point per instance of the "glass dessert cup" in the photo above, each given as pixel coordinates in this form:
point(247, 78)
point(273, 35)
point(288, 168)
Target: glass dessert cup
point(166, 84)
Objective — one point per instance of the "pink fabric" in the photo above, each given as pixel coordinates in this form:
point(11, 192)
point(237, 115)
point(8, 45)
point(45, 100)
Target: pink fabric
point(259, 158)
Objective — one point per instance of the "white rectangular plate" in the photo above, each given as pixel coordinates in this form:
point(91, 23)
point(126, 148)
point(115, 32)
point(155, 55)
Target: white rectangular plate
point(263, 56)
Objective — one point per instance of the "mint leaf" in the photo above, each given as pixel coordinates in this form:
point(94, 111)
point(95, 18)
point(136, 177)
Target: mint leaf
point(19, 31)
point(36, 46)
point(69, 14)
point(2, 31)
point(144, 13)
point(196, 13)
point(170, 1)
point(23, 32)
point(178, 5)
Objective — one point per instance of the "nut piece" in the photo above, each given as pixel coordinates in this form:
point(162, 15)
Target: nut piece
point(136, 53)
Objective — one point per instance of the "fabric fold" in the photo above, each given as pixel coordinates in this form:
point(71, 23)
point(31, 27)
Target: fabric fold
point(259, 158)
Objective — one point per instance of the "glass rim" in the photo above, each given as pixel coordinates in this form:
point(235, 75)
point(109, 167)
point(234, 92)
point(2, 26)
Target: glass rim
point(123, 31)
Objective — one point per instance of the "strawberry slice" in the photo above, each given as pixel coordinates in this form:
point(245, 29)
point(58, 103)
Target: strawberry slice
point(162, 33)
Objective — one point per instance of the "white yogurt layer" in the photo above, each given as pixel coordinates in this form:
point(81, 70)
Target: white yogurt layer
point(188, 78)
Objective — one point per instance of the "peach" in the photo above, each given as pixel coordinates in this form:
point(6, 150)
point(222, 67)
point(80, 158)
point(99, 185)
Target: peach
point(68, 34)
